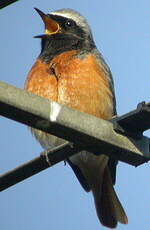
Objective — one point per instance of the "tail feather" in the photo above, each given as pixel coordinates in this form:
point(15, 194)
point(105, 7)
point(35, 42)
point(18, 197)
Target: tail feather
point(108, 206)
point(105, 210)
point(109, 190)
point(95, 172)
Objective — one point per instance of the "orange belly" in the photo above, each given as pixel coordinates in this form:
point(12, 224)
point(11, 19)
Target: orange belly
point(77, 83)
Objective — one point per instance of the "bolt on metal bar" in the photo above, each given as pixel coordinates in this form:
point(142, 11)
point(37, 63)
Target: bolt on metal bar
point(96, 135)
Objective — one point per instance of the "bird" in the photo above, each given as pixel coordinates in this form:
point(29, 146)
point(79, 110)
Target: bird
point(71, 71)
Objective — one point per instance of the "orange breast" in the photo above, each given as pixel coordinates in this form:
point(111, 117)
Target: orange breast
point(78, 83)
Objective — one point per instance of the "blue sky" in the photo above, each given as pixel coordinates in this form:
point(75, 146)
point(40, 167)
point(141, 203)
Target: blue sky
point(54, 199)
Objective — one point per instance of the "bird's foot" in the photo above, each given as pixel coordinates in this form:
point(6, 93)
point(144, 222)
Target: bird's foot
point(45, 155)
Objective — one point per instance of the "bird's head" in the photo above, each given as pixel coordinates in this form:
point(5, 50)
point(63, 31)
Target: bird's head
point(66, 29)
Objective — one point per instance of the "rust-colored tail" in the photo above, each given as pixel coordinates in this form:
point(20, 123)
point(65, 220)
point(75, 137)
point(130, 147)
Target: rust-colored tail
point(94, 175)
point(108, 207)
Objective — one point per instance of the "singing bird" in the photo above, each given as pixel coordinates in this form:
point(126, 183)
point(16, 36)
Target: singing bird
point(71, 71)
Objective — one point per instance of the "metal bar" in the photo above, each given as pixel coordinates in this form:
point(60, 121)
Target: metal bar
point(134, 122)
point(95, 135)
point(4, 3)
point(36, 165)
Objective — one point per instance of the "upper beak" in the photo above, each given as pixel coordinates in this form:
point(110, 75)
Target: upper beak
point(51, 26)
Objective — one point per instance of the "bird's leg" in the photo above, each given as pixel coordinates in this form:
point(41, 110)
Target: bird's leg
point(45, 156)
point(71, 145)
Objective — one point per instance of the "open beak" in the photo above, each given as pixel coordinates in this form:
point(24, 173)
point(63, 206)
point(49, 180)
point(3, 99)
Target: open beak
point(51, 26)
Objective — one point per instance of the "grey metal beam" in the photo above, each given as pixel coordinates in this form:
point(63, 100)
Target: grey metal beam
point(36, 165)
point(93, 134)
point(4, 3)
point(134, 122)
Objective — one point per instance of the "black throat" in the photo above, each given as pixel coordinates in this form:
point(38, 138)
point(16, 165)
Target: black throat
point(55, 44)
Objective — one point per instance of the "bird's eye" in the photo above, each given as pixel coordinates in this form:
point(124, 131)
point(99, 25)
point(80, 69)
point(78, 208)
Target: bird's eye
point(69, 23)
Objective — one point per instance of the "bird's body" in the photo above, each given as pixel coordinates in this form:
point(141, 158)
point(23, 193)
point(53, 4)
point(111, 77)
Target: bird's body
point(71, 71)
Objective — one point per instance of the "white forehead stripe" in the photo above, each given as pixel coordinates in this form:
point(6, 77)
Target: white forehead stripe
point(74, 15)
point(70, 15)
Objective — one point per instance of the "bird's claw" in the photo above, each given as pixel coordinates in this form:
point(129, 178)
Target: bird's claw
point(45, 155)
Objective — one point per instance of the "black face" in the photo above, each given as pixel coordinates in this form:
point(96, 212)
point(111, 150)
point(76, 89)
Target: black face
point(69, 26)
point(71, 37)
